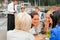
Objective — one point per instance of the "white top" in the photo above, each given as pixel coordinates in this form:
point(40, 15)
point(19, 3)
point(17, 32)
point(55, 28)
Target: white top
point(19, 35)
point(32, 30)
point(35, 31)
point(11, 8)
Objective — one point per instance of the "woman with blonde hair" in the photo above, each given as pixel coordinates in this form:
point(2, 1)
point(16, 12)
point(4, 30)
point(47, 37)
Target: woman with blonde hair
point(22, 25)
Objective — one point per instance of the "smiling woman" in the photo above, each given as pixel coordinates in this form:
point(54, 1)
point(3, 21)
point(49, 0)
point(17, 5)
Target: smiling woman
point(35, 28)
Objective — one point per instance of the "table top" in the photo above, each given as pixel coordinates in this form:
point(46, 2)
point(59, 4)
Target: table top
point(40, 36)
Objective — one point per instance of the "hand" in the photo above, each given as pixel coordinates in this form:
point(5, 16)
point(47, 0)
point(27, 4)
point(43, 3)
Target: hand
point(15, 11)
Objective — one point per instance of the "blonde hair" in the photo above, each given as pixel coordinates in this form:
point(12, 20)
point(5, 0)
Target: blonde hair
point(23, 21)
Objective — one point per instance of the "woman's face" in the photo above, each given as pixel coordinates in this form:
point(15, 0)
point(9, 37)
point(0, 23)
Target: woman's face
point(22, 9)
point(48, 20)
point(36, 10)
point(35, 20)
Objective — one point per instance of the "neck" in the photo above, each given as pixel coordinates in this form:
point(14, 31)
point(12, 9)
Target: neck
point(26, 30)
point(18, 28)
point(35, 27)
point(13, 3)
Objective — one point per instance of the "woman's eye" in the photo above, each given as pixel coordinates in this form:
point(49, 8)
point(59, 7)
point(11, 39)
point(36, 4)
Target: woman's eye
point(36, 19)
point(48, 17)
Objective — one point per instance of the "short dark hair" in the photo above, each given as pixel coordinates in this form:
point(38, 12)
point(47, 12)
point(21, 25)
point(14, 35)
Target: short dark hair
point(58, 16)
point(55, 17)
point(33, 13)
point(22, 8)
point(37, 8)
point(14, 0)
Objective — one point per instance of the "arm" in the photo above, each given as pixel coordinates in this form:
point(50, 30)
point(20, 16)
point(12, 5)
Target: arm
point(53, 35)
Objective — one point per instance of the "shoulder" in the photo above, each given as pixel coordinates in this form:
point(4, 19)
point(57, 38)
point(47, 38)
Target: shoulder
point(55, 30)
point(10, 32)
point(10, 4)
point(32, 29)
point(55, 33)
point(29, 36)
point(25, 12)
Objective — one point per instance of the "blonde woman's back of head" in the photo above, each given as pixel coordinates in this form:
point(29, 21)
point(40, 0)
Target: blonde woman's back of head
point(23, 21)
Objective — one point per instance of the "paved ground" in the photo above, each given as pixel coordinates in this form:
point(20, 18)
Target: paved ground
point(3, 35)
point(3, 28)
point(3, 23)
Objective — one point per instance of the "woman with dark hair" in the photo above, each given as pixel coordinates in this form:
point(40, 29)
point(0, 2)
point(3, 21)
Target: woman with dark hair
point(53, 19)
point(55, 32)
point(35, 28)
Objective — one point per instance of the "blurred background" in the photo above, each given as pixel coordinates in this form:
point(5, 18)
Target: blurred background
point(29, 4)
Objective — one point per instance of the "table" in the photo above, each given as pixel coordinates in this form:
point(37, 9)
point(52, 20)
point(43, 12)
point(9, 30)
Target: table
point(40, 36)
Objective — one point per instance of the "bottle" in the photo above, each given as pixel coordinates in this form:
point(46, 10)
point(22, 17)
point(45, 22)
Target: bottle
point(48, 32)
